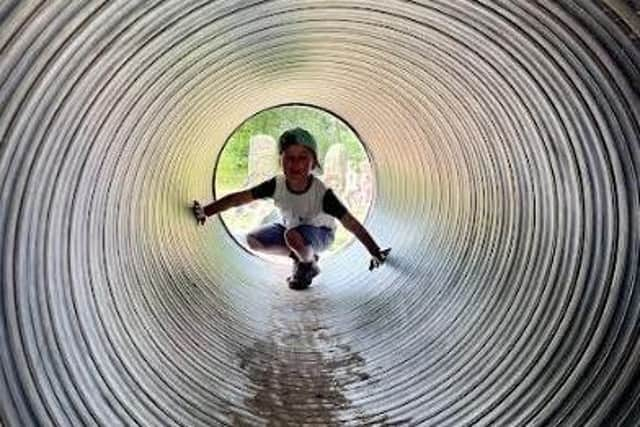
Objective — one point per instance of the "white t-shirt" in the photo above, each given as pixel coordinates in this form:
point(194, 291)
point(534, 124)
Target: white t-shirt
point(317, 205)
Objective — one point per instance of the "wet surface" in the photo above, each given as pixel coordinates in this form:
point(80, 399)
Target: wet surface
point(302, 371)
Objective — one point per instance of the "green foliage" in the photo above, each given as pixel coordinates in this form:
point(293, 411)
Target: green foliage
point(326, 128)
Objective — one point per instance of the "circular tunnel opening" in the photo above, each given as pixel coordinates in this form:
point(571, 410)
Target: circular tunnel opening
point(250, 156)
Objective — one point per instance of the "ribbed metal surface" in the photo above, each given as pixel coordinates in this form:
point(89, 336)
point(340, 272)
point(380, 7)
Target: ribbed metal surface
point(504, 137)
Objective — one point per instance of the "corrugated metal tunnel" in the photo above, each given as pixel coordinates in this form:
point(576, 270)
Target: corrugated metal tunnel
point(504, 141)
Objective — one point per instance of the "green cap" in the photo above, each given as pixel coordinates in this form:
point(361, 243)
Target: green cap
point(301, 137)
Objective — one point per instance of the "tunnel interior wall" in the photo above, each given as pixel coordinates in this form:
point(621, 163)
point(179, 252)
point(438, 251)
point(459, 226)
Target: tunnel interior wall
point(504, 143)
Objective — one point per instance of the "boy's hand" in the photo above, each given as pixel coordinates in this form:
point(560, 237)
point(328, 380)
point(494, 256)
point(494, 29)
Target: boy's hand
point(378, 258)
point(198, 212)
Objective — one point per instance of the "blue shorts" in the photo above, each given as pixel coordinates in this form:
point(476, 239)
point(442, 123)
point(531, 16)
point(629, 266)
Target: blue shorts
point(319, 238)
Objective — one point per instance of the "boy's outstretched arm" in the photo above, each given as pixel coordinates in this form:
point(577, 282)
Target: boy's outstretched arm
point(354, 226)
point(229, 201)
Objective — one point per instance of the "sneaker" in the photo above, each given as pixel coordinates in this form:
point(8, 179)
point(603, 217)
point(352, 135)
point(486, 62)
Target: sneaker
point(296, 284)
point(294, 267)
point(310, 269)
point(303, 275)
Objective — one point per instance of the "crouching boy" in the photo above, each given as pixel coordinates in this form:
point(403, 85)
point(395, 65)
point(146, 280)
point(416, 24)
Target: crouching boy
point(308, 210)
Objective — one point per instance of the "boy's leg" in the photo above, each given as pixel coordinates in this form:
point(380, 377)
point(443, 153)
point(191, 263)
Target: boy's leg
point(305, 241)
point(268, 239)
point(308, 240)
point(297, 243)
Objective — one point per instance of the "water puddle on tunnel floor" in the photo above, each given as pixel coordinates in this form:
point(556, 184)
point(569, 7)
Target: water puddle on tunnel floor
point(300, 371)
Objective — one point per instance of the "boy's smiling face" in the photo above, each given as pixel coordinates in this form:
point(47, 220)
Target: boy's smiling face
point(297, 164)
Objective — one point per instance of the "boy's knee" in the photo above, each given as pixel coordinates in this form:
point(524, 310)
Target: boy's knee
point(293, 238)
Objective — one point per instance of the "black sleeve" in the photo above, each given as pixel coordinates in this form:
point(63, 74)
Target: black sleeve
point(333, 206)
point(264, 190)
